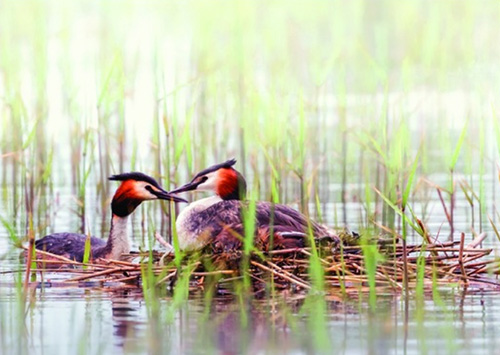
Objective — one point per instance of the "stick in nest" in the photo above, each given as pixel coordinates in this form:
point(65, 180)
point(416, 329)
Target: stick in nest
point(169, 247)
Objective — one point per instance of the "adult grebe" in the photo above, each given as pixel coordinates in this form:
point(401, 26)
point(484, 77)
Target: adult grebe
point(135, 188)
point(217, 220)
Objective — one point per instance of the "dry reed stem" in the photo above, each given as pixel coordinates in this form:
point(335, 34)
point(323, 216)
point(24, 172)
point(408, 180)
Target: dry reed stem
point(167, 277)
point(477, 241)
point(99, 273)
point(28, 260)
point(273, 265)
point(282, 275)
point(291, 267)
point(461, 257)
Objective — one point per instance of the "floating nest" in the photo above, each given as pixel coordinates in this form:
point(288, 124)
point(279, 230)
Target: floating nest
point(356, 267)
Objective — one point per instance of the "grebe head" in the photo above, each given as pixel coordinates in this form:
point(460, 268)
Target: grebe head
point(135, 188)
point(221, 178)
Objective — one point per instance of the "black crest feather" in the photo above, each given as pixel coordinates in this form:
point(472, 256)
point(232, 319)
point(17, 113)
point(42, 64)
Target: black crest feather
point(137, 176)
point(227, 164)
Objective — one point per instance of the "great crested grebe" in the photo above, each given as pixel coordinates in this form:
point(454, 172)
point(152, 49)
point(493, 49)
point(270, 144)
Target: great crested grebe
point(217, 220)
point(135, 188)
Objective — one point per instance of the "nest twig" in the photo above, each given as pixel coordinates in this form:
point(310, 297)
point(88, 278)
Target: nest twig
point(448, 263)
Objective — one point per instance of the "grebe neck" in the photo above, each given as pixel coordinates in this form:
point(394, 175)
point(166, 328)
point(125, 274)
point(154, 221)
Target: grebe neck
point(118, 243)
point(194, 208)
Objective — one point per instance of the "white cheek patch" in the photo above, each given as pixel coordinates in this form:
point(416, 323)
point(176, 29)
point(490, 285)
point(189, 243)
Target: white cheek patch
point(209, 184)
point(142, 192)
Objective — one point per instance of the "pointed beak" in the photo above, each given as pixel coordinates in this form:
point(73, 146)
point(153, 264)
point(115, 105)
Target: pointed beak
point(164, 195)
point(190, 186)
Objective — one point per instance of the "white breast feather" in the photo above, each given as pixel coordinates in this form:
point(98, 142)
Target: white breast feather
point(187, 239)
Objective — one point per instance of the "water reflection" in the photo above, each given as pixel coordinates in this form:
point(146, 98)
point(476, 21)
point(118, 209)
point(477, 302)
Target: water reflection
point(231, 327)
point(109, 320)
point(104, 321)
point(125, 314)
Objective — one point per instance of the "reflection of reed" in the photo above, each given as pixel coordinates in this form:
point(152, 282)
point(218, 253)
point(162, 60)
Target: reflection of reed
point(230, 330)
point(125, 314)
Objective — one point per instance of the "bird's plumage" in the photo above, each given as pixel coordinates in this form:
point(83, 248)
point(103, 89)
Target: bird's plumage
point(276, 226)
point(135, 188)
point(217, 220)
point(70, 245)
point(135, 176)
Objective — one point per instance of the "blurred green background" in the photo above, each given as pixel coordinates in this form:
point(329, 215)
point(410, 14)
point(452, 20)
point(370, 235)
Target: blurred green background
point(322, 102)
point(319, 101)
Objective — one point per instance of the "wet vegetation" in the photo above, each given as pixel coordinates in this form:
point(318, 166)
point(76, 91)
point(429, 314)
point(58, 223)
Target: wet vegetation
point(377, 117)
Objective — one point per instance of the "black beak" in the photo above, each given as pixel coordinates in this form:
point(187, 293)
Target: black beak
point(190, 186)
point(164, 195)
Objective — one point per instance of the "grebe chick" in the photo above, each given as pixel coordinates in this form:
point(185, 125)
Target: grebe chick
point(216, 220)
point(135, 188)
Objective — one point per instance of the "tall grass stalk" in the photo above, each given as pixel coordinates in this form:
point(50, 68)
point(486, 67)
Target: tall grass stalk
point(404, 200)
point(453, 162)
point(315, 304)
point(248, 214)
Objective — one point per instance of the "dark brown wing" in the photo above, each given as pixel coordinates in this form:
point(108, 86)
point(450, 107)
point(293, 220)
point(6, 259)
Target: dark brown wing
point(231, 237)
point(288, 227)
point(69, 245)
point(288, 219)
